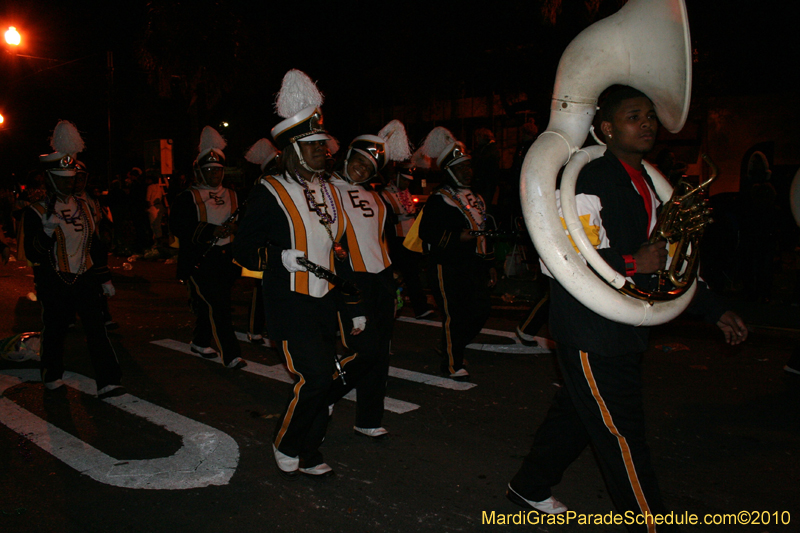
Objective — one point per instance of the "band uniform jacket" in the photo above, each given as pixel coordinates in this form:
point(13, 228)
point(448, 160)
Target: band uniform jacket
point(279, 217)
point(443, 219)
point(615, 218)
point(196, 214)
point(73, 249)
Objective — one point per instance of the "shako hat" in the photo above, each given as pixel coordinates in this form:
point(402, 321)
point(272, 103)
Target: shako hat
point(442, 145)
point(299, 104)
point(391, 144)
point(67, 143)
point(210, 149)
point(262, 153)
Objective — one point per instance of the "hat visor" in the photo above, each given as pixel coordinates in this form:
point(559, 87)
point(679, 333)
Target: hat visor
point(315, 137)
point(64, 173)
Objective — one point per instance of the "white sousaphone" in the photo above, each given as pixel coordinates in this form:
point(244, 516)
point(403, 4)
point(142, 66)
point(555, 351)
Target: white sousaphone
point(794, 197)
point(645, 45)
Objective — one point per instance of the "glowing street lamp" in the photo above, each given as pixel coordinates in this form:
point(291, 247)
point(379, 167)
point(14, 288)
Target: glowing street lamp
point(12, 36)
point(2, 119)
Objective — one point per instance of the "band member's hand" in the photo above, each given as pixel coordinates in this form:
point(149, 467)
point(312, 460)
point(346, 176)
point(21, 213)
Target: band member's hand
point(492, 277)
point(651, 258)
point(50, 225)
point(466, 235)
point(359, 325)
point(289, 260)
point(733, 327)
point(226, 230)
point(108, 289)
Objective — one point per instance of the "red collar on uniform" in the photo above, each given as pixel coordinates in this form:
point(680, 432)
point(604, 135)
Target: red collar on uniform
point(644, 190)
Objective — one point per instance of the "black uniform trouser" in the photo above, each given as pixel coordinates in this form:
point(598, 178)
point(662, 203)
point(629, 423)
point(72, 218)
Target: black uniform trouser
point(367, 369)
point(256, 323)
point(210, 296)
point(463, 296)
point(305, 329)
point(537, 316)
point(601, 405)
point(60, 302)
point(408, 264)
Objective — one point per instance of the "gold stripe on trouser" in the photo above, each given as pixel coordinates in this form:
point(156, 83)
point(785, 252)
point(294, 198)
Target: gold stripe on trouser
point(447, 335)
point(210, 317)
point(287, 419)
point(625, 450)
point(533, 312)
point(342, 337)
point(253, 312)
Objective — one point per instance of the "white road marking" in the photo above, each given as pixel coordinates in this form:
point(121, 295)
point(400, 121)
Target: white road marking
point(545, 345)
point(409, 375)
point(207, 457)
point(427, 379)
point(280, 373)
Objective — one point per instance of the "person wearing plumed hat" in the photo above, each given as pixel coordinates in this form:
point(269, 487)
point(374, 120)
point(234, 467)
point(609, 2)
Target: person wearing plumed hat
point(264, 154)
point(70, 267)
point(294, 215)
point(201, 220)
point(463, 263)
point(367, 369)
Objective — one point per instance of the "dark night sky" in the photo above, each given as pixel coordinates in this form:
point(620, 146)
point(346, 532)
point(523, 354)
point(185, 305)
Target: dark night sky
point(360, 53)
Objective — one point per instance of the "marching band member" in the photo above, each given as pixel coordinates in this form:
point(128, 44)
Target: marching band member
point(601, 360)
point(403, 211)
point(463, 272)
point(201, 220)
point(264, 154)
point(368, 368)
point(295, 215)
point(70, 267)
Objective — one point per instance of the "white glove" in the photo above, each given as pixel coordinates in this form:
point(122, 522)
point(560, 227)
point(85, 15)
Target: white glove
point(108, 289)
point(289, 260)
point(50, 225)
point(360, 322)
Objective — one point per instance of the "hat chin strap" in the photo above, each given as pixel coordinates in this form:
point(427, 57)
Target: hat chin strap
point(458, 183)
point(303, 161)
point(198, 171)
point(55, 187)
point(346, 172)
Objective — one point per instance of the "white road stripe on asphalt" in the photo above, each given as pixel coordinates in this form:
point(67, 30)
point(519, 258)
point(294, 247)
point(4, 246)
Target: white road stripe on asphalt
point(207, 457)
point(409, 375)
point(545, 345)
point(279, 373)
point(427, 379)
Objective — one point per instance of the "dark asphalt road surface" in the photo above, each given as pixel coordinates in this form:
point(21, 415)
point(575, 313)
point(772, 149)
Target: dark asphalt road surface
point(724, 429)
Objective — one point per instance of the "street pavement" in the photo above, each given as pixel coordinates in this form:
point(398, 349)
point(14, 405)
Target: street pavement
point(188, 448)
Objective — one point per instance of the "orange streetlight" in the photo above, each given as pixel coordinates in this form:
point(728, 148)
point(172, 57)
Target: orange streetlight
point(2, 119)
point(12, 36)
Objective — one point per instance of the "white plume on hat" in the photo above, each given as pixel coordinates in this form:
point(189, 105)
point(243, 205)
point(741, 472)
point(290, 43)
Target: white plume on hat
point(210, 139)
point(66, 139)
point(297, 93)
point(437, 141)
point(420, 160)
point(333, 144)
point(396, 146)
point(261, 153)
